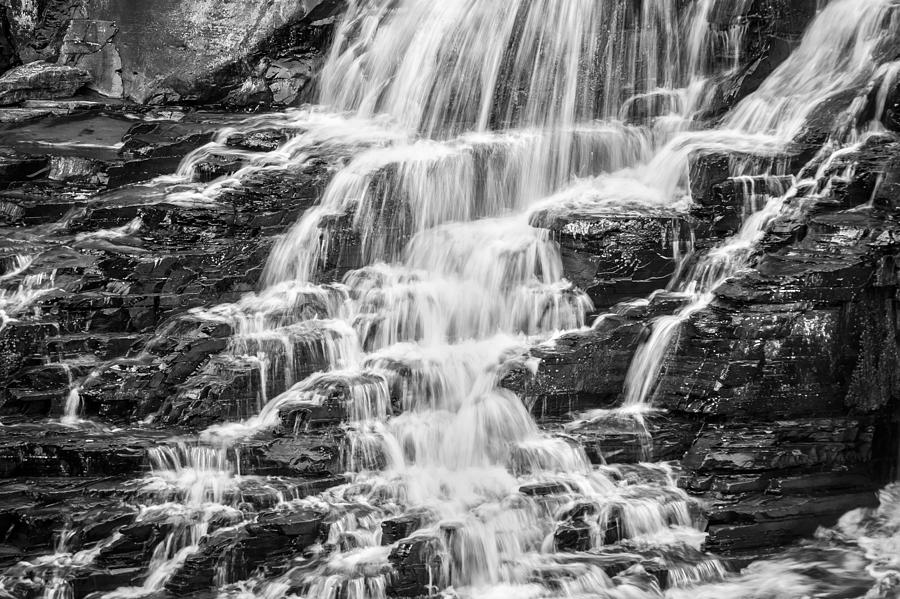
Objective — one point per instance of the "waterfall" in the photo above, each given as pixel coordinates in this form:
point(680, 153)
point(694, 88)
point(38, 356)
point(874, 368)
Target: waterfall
point(491, 109)
point(840, 49)
point(486, 113)
point(454, 124)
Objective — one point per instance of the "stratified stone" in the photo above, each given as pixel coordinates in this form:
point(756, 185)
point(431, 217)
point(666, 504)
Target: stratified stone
point(400, 527)
point(769, 31)
point(232, 554)
point(577, 371)
point(617, 258)
point(764, 522)
point(41, 80)
point(418, 567)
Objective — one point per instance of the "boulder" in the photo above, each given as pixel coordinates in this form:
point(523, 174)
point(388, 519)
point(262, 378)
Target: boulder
point(41, 80)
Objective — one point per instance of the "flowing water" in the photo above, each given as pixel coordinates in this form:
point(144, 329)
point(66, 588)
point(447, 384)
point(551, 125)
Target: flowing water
point(461, 122)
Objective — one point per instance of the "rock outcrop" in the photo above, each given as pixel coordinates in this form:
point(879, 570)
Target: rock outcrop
point(175, 51)
point(41, 80)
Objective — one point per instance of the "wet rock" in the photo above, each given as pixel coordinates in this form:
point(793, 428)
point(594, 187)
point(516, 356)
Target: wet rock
point(16, 167)
point(216, 166)
point(227, 388)
point(722, 201)
point(578, 371)
point(891, 116)
point(234, 553)
point(618, 258)
point(542, 489)
point(658, 438)
point(574, 536)
point(769, 522)
point(254, 91)
point(35, 511)
point(41, 80)
point(287, 80)
point(69, 454)
point(646, 107)
point(400, 527)
point(780, 446)
point(73, 168)
point(303, 418)
point(264, 140)
point(772, 484)
point(418, 567)
point(307, 455)
point(783, 323)
point(104, 580)
point(133, 548)
point(166, 55)
point(769, 30)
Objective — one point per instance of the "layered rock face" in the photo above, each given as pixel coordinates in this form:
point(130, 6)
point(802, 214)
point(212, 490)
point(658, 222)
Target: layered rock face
point(191, 398)
point(244, 53)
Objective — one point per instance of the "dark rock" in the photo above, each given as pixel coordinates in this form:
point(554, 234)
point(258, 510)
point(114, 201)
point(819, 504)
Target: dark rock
point(618, 258)
point(253, 92)
point(770, 522)
point(628, 441)
point(308, 455)
point(400, 527)
point(19, 168)
point(419, 567)
point(234, 553)
point(69, 454)
point(264, 140)
point(217, 166)
point(770, 30)
point(580, 370)
point(541, 489)
point(743, 447)
point(41, 80)
point(576, 536)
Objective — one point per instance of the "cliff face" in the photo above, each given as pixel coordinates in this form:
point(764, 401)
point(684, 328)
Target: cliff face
point(779, 401)
point(176, 52)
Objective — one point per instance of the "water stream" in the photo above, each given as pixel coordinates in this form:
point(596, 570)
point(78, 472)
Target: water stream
point(460, 121)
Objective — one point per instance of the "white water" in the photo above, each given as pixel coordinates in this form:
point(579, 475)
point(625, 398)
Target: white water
point(838, 52)
point(457, 121)
point(453, 279)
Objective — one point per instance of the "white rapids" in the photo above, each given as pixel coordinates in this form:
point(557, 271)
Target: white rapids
point(457, 120)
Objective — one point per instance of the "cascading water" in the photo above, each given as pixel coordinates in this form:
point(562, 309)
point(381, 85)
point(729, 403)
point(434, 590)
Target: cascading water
point(467, 280)
point(840, 49)
point(459, 121)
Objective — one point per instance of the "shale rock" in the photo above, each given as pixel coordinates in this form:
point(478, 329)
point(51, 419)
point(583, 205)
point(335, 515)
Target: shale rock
point(41, 80)
point(617, 258)
point(577, 371)
point(771, 30)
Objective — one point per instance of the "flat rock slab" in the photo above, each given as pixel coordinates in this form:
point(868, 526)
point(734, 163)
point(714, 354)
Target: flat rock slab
point(54, 450)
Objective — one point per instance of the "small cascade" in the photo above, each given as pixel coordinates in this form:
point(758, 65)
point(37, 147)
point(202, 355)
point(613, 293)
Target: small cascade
point(389, 313)
point(189, 486)
point(889, 75)
point(840, 50)
point(844, 54)
point(466, 65)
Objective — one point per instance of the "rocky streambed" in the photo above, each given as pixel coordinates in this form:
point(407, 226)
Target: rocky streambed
point(256, 346)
